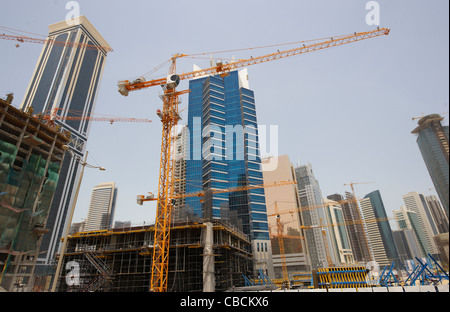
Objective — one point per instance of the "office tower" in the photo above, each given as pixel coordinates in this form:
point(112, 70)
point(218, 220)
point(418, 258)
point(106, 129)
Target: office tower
point(426, 229)
point(224, 152)
point(66, 80)
point(383, 224)
point(407, 245)
point(31, 155)
point(283, 201)
point(355, 227)
point(340, 243)
point(432, 139)
point(438, 214)
point(102, 207)
point(310, 195)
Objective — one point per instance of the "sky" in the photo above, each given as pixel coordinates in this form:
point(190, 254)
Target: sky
point(346, 110)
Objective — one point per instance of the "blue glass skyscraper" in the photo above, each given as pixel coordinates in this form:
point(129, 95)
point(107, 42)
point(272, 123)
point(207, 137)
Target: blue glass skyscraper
point(223, 152)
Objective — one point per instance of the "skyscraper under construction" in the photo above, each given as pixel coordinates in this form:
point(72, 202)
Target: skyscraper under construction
point(432, 139)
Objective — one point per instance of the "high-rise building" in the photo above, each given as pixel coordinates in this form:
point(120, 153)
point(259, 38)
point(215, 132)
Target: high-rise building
point(355, 228)
point(408, 220)
point(402, 218)
point(340, 243)
point(407, 245)
point(66, 80)
point(432, 139)
point(102, 207)
point(439, 217)
point(224, 152)
point(426, 228)
point(377, 249)
point(283, 208)
point(383, 224)
point(310, 195)
point(179, 212)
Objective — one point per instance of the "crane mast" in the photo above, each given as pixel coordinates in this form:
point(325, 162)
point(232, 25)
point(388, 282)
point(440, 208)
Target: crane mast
point(170, 117)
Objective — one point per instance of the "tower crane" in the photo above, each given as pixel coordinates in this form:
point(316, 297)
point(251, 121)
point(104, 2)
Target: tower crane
point(151, 197)
point(50, 41)
point(50, 118)
point(112, 119)
point(282, 252)
point(170, 117)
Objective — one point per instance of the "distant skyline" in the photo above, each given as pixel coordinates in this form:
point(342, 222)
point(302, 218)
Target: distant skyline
point(346, 110)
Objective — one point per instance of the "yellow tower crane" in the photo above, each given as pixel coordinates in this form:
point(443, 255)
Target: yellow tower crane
point(170, 117)
point(281, 244)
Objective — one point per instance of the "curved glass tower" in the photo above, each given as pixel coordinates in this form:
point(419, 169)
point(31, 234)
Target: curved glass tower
point(223, 152)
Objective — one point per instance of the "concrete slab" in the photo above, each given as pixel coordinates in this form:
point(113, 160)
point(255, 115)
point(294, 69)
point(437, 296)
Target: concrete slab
point(379, 289)
point(335, 290)
point(312, 290)
point(442, 288)
point(365, 289)
point(348, 289)
point(427, 288)
point(411, 288)
point(396, 289)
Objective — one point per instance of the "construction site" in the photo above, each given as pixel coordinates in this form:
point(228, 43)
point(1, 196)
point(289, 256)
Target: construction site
point(120, 260)
point(31, 154)
point(182, 251)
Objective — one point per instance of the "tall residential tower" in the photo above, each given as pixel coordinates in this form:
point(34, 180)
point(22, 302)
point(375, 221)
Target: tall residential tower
point(66, 80)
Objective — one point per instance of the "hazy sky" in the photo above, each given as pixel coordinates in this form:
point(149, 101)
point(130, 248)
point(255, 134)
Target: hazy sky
point(346, 110)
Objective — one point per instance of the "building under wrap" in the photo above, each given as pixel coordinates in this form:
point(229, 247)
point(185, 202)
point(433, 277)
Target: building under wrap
point(31, 154)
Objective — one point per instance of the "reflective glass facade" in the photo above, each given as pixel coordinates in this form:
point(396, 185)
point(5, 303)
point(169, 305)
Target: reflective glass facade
point(224, 151)
point(436, 162)
point(66, 78)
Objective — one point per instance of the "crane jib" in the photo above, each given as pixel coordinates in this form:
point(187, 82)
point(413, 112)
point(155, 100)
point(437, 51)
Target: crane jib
point(225, 68)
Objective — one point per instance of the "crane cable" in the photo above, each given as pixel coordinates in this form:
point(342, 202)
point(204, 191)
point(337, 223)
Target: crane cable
point(199, 55)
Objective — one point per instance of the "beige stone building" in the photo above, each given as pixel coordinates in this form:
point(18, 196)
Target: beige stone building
point(282, 202)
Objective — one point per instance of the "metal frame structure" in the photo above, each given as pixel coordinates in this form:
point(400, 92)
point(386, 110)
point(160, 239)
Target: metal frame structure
point(120, 260)
point(424, 275)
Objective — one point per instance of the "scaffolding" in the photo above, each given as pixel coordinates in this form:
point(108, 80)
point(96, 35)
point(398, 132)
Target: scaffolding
point(120, 260)
point(31, 155)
